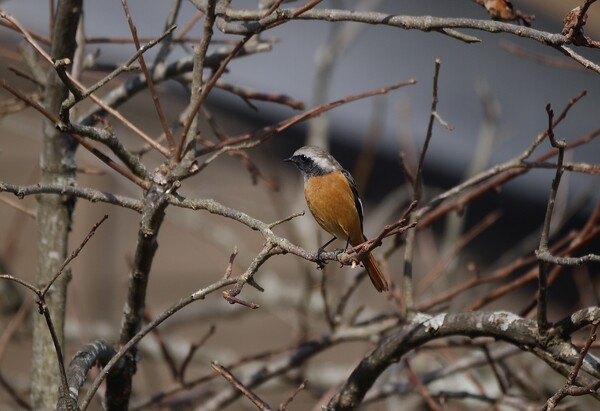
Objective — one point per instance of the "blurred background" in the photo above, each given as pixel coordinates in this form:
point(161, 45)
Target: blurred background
point(492, 93)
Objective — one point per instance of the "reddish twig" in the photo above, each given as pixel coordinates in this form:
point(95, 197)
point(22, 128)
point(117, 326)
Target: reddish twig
point(164, 348)
point(269, 131)
point(232, 299)
point(14, 204)
point(570, 389)
point(553, 61)
point(155, 99)
point(77, 86)
point(100, 155)
point(414, 379)
point(193, 348)
point(260, 404)
point(283, 405)
point(13, 325)
point(249, 94)
point(462, 242)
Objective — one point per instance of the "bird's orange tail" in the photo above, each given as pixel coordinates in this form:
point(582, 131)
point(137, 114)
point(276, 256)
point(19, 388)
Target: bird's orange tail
point(375, 274)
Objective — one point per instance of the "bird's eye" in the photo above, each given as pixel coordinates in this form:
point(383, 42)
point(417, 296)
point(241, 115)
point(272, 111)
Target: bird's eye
point(303, 158)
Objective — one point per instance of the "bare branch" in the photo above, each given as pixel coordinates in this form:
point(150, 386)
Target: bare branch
point(101, 156)
point(544, 238)
point(260, 404)
point(155, 99)
point(407, 275)
point(202, 97)
point(569, 388)
point(192, 351)
point(79, 192)
point(500, 325)
point(287, 402)
point(244, 21)
point(69, 103)
point(73, 255)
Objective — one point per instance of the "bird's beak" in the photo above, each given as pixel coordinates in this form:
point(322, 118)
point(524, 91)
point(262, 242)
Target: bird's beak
point(289, 159)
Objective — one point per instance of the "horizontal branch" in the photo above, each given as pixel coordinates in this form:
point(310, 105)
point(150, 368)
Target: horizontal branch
point(237, 21)
point(79, 192)
point(422, 23)
point(546, 256)
point(283, 245)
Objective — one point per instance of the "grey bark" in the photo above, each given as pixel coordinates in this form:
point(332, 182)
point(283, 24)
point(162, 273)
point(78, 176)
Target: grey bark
point(54, 212)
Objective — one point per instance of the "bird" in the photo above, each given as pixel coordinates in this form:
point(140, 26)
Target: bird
point(332, 198)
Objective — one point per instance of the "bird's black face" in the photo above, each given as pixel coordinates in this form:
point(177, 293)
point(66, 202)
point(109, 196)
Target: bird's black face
point(301, 161)
point(314, 161)
point(305, 164)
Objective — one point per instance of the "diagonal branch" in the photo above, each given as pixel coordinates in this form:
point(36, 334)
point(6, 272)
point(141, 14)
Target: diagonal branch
point(155, 99)
point(256, 400)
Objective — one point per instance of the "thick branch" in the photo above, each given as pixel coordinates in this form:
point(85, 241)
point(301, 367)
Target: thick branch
point(503, 326)
point(133, 311)
point(96, 353)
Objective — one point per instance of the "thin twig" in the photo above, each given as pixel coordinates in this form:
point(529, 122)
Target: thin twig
point(193, 348)
point(73, 255)
point(164, 348)
point(28, 212)
point(252, 139)
point(256, 400)
point(100, 155)
point(184, 302)
point(79, 87)
point(570, 388)
point(13, 324)
point(248, 94)
point(457, 246)
point(283, 405)
point(414, 379)
point(155, 99)
point(43, 309)
point(326, 308)
point(199, 91)
point(409, 251)
point(285, 220)
point(544, 238)
point(120, 69)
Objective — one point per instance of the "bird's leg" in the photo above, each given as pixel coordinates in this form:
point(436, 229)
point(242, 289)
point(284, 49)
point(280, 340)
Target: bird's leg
point(342, 250)
point(320, 262)
point(347, 243)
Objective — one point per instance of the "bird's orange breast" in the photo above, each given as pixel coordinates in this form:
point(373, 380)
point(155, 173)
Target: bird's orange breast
point(331, 201)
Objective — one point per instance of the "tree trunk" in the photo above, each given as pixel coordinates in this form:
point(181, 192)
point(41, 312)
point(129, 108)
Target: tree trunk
point(57, 163)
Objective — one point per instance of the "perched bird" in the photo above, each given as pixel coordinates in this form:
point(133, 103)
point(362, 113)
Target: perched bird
point(332, 198)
